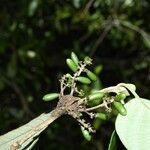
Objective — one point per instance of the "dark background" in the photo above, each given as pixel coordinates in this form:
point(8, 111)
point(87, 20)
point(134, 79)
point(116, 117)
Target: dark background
point(36, 36)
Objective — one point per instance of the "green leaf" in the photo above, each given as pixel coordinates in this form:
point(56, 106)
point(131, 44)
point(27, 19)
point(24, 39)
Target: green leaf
point(146, 39)
point(51, 96)
point(32, 7)
point(12, 66)
point(134, 128)
point(113, 141)
point(77, 3)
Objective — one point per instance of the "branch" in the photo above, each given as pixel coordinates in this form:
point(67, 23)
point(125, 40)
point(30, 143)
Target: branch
point(67, 104)
point(133, 27)
point(81, 69)
point(101, 38)
point(87, 6)
point(96, 107)
point(24, 103)
point(17, 90)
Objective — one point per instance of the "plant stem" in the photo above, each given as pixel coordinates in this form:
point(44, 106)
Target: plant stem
point(76, 75)
point(96, 107)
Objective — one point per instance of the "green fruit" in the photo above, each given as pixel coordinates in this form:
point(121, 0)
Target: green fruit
point(120, 97)
point(95, 102)
point(120, 108)
point(71, 65)
point(83, 80)
point(98, 69)
point(86, 134)
point(91, 75)
point(51, 96)
point(74, 58)
point(101, 116)
point(94, 96)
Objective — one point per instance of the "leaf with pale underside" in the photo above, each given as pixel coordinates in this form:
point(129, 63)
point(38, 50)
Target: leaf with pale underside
point(134, 128)
point(130, 87)
point(9, 138)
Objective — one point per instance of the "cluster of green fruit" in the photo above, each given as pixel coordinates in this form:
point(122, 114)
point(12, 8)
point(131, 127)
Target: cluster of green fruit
point(117, 104)
point(97, 97)
point(74, 64)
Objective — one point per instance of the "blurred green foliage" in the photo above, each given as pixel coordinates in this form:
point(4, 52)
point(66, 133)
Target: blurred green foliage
point(35, 38)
